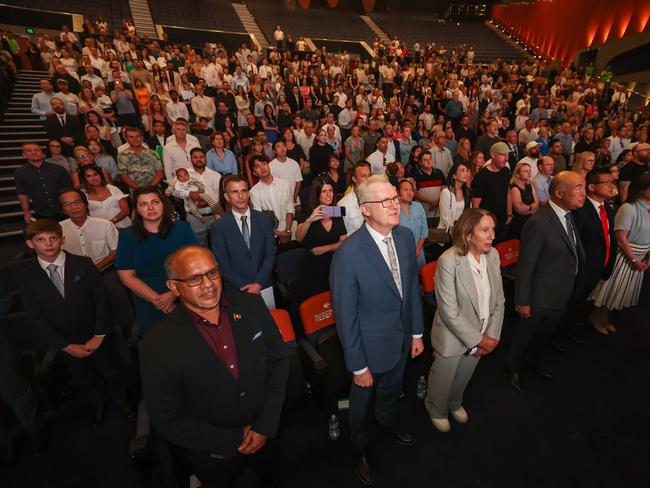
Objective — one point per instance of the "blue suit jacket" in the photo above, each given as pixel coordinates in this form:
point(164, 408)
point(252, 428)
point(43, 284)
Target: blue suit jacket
point(374, 324)
point(238, 264)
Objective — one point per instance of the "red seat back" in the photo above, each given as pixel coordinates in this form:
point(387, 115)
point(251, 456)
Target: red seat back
point(508, 252)
point(428, 277)
point(283, 321)
point(317, 312)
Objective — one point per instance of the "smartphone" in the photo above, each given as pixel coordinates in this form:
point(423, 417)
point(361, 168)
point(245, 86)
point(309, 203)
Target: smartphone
point(334, 211)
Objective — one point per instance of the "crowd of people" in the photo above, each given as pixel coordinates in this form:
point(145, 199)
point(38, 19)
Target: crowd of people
point(182, 172)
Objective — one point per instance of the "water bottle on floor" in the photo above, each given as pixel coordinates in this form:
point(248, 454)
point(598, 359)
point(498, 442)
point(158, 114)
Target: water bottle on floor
point(334, 429)
point(421, 391)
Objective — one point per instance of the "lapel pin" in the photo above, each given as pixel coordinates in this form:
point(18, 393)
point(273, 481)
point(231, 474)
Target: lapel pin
point(236, 316)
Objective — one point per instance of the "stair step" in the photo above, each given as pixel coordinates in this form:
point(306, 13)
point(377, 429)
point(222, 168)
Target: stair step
point(18, 126)
point(8, 189)
point(9, 203)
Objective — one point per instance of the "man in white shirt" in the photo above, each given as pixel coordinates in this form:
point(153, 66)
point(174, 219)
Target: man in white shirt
point(41, 105)
point(84, 235)
point(441, 155)
point(273, 194)
point(305, 138)
point(353, 218)
point(203, 106)
point(532, 155)
point(92, 77)
point(342, 96)
point(210, 73)
point(176, 109)
point(176, 153)
point(528, 133)
point(381, 157)
point(286, 168)
point(211, 181)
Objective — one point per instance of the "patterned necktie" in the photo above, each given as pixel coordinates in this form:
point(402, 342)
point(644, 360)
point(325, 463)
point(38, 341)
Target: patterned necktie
point(245, 231)
point(62, 118)
point(570, 228)
point(53, 271)
point(394, 265)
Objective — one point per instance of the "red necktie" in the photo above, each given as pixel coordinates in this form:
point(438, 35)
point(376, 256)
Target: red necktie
point(605, 223)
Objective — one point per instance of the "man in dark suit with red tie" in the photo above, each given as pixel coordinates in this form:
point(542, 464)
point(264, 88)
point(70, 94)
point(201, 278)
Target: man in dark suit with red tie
point(214, 374)
point(595, 225)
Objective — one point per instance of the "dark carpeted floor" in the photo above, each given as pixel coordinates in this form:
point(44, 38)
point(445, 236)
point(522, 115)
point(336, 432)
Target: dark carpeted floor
point(588, 427)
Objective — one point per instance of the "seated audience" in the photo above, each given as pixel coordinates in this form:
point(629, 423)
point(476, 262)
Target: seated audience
point(105, 201)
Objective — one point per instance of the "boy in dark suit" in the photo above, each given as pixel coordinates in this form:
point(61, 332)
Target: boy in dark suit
point(66, 302)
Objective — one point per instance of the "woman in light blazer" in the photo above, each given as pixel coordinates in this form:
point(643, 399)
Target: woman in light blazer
point(467, 323)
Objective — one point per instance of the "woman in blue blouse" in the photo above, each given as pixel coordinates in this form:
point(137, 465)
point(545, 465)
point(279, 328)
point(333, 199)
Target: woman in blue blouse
point(141, 253)
point(412, 215)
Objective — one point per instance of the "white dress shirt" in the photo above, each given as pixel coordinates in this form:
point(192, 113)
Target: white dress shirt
point(96, 238)
point(353, 218)
point(482, 283)
point(175, 157)
point(378, 162)
point(288, 170)
point(177, 110)
point(276, 197)
point(59, 261)
point(561, 214)
point(212, 181)
point(238, 221)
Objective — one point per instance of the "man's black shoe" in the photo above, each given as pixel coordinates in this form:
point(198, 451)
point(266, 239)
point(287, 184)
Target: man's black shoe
point(362, 468)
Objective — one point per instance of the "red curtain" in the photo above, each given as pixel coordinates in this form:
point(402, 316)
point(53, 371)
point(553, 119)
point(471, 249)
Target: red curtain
point(333, 3)
point(556, 30)
point(368, 5)
point(304, 3)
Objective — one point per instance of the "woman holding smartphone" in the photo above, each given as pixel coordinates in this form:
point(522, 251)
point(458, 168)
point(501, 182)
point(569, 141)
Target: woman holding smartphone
point(321, 235)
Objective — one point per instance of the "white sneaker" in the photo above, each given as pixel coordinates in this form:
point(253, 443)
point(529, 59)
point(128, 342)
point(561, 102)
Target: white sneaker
point(441, 424)
point(460, 415)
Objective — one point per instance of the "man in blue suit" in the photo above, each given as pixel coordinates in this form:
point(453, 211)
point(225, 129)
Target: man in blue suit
point(376, 298)
point(243, 241)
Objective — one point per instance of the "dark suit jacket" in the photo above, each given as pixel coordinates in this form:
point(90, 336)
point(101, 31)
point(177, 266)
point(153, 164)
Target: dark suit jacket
point(74, 319)
point(512, 157)
point(397, 149)
point(240, 265)
point(56, 131)
point(589, 227)
point(545, 270)
point(192, 398)
point(295, 106)
point(374, 324)
point(152, 141)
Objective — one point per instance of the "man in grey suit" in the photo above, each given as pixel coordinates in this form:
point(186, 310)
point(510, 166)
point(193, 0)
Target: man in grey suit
point(548, 270)
point(376, 298)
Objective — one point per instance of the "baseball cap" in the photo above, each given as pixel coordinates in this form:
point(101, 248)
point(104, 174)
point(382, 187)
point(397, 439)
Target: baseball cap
point(532, 144)
point(500, 148)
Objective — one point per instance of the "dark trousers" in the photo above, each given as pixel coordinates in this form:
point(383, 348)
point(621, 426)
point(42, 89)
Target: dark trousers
point(532, 335)
point(97, 372)
point(15, 391)
point(385, 393)
point(240, 471)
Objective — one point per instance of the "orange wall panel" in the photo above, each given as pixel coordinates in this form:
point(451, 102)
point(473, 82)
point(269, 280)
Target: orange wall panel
point(556, 29)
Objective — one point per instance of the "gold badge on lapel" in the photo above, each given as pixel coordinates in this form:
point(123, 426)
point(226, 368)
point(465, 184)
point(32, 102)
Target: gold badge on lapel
point(236, 316)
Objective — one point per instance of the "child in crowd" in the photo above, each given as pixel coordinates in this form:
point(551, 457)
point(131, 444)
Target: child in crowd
point(183, 185)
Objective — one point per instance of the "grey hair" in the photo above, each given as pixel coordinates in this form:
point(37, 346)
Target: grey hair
point(363, 190)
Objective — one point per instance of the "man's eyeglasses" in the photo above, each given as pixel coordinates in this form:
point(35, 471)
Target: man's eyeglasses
point(83, 155)
point(196, 280)
point(386, 203)
point(70, 204)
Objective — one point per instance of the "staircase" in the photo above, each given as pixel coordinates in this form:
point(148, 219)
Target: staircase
point(142, 19)
point(250, 24)
point(383, 37)
point(19, 125)
point(509, 40)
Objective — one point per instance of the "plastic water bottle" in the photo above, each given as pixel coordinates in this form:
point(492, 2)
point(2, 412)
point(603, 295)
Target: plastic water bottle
point(334, 429)
point(422, 388)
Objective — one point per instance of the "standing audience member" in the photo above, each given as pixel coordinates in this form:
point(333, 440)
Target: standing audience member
point(321, 234)
point(376, 299)
point(542, 181)
point(353, 219)
point(222, 407)
point(141, 251)
point(66, 303)
point(550, 260)
point(243, 241)
point(63, 127)
point(104, 201)
point(490, 189)
point(412, 215)
point(523, 197)
point(632, 227)
point(273, 195)
point(137, 165)
point(595, 225)
point(636, 167)
point(38, 183)
point(469, 314)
